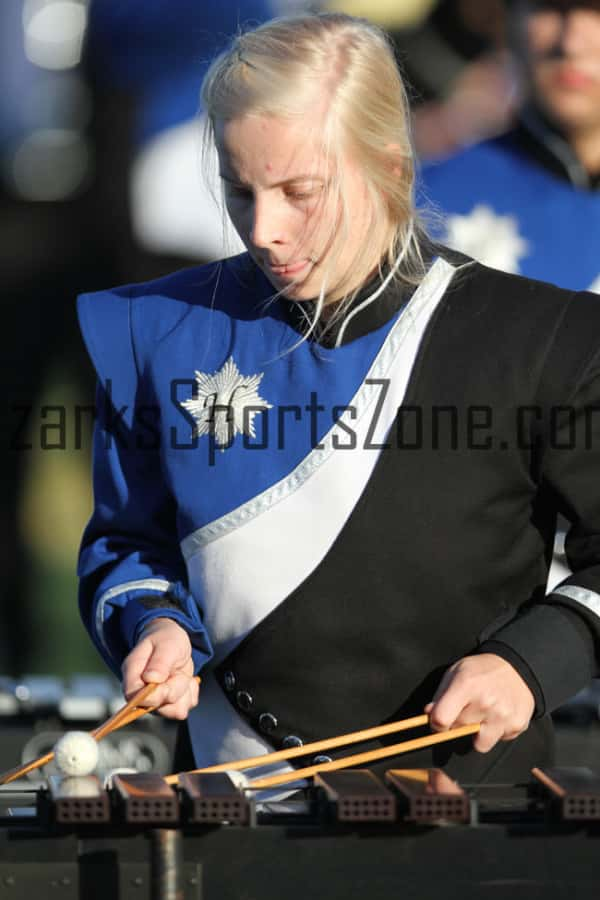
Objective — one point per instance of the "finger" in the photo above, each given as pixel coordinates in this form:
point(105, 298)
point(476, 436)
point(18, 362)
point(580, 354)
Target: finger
point(491, 729)
point(170, 693)
point(447, 711)
point(165, 659)
point(463, 697)
point(158, 697)
point(512, 726)
point(180, 709)
point(513, 732)
point(496, 723)
point(499, 715)
point(177, 687)
point(488, 736)
point(133, 666)
point(466, 717)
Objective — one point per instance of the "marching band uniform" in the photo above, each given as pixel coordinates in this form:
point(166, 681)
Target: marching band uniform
point(348, 520)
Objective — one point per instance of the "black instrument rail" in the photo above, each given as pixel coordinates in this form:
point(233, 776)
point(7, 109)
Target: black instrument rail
point(551, 861)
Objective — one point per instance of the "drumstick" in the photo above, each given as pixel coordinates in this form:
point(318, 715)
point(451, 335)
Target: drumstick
point(117, 720)
point(339, 740)
point(360, 759)
point(24, 769)
point(131, 711)
point(128, 714)
point(549, 782)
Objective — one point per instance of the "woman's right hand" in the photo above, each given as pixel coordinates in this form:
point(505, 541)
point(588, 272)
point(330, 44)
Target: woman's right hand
point(163, 655)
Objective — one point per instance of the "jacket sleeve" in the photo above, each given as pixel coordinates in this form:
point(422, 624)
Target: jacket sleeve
point(130, 566)
point(554, 644)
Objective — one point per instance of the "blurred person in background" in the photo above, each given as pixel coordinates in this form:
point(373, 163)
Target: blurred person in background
point(529, 202)
point(453, 56)
point(463, 75)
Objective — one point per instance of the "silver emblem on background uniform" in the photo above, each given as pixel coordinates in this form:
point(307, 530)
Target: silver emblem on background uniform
point(488, 237)
point(226, 403)
point(595, 286)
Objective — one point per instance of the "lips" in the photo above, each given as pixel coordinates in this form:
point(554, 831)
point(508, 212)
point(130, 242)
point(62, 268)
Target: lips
point(572, 77)
point(289, 268)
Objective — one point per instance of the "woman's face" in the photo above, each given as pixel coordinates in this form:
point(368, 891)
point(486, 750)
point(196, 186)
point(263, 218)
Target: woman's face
point(276, 181)
point(564, 60)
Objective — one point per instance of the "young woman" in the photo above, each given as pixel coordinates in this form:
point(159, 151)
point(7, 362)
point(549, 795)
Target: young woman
point(327, 471)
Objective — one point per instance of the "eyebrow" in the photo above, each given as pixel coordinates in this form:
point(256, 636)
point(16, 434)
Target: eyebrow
point(285, 181)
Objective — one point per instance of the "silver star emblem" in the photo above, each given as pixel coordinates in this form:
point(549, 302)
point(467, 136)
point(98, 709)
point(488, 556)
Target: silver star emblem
point(491, 238)
point(225, 404)
point(595, 286)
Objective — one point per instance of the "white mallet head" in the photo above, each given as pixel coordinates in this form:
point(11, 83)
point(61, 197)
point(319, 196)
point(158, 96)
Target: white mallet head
point(76, 753)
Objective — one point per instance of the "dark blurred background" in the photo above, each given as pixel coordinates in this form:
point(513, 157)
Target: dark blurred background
point(101, 183)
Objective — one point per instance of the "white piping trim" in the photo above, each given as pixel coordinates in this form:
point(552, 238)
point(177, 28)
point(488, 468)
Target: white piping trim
point(586, 598)
point(147, 584)
point(428, 294)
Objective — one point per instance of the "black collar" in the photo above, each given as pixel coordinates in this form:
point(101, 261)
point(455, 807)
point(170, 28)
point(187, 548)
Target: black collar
point(396, 294)
point(394, 297)
point(538, 138)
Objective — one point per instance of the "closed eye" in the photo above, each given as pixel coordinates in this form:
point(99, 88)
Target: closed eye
point(310, 192)
point(306, 192)
point(304, 195)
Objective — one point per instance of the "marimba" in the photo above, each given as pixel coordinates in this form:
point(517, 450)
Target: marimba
point(415, 834)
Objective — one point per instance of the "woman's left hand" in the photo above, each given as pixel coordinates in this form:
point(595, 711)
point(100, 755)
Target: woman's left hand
point(486, 689)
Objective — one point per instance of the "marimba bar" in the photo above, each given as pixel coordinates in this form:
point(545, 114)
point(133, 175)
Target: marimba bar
point(575, 792)
point(145, 799)
point(73, 801)
point(357, 795)
point(429, 796)
point(213, 798)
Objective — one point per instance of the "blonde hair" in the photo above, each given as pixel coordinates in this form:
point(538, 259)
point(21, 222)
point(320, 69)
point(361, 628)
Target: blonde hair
point(286, 65)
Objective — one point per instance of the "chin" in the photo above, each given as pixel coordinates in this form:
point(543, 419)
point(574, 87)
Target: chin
point(300, 294)
point(302, 290)
point(571, 113)
point(570, 109)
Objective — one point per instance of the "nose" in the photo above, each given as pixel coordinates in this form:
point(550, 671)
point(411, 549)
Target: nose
point(267, 224)
point(574, 34)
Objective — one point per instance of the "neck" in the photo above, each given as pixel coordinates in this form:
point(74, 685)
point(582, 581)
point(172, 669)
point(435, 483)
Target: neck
point(586, 145)
point(351, 283)
point(568, 153)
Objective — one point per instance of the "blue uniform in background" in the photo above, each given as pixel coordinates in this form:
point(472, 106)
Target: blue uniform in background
point(161, 50)
point(521, 203)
